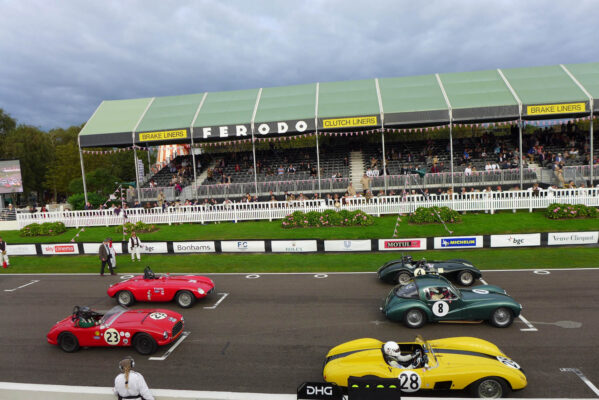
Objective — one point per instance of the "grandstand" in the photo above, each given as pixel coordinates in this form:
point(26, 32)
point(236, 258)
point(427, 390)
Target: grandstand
point(511, 127)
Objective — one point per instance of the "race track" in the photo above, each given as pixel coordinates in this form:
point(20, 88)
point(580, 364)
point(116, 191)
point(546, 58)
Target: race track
point(270, 333)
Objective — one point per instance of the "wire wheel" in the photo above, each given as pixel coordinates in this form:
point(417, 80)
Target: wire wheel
point(414, 318)
point(466, 278)
point(403, 278)
point(502, 317)
point(489, 388)
point(125, 298)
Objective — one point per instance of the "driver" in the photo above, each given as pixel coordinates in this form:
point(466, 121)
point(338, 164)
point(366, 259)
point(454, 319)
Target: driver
point(86, 318)
point(148, 274)
point(395, 358)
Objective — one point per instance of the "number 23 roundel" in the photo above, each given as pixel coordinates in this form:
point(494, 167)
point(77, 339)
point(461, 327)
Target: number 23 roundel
point(409, 381)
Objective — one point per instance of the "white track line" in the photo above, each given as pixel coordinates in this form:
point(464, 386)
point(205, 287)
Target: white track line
point(530, 327)
point(582, 377)
point(168, 353)
point(218, 302)
point(22, 286)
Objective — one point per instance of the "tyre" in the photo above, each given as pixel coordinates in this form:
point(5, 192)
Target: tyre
point(68, 342)
point(414, 318)
point(185, 299)
point(502, 317)
point(144, 344)
point(403, 277)
point(125, 298)
point(490, 388)
point(466, 278)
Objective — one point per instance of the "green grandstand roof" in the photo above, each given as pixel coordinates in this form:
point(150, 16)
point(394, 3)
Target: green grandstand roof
point(482, 96)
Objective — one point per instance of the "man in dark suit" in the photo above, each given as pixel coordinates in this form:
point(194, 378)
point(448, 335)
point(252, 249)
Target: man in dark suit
point(105, 255)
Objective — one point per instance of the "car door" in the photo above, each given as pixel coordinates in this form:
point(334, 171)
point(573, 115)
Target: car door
point(444, 303)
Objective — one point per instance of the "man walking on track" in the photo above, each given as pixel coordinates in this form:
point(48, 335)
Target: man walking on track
point(105, 255)
point(135, 247)
point(3, 256)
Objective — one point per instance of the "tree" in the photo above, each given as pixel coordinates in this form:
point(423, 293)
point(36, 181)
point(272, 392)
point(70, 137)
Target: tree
point(7, 124)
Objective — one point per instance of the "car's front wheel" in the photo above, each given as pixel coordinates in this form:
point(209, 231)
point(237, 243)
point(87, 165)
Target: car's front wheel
point(68, 342)
point(402, 277)
point(125, 298)
point(466, 278)
point(185, 299)
point(502, 317)
point(490, 388)
point(144, 344)
point(414, 318)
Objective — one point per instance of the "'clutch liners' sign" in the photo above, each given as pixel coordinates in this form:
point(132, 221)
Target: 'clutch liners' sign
point(556, 108)
point(163, 135)
point(349, 122)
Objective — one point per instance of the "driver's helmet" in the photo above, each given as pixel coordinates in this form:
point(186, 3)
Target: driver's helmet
point(85, 312)
point(408, 259)
point(391, 349)
point(148, 274)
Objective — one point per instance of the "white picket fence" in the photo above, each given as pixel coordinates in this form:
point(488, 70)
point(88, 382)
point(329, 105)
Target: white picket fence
point(471, 201)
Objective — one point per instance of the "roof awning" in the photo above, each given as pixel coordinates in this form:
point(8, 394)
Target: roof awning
point(348, 105)
point(588, 76)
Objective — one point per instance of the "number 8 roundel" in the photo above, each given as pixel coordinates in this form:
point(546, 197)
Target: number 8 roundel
point(409, 381)
point(440, 308)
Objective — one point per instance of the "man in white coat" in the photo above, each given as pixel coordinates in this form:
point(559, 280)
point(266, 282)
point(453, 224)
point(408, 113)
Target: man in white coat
point(135, 247)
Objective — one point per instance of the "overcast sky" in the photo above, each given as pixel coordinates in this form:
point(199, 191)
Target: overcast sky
point(60, 59)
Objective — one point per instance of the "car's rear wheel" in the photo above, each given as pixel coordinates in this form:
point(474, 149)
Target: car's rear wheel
point(403, 277)
point(414, 318)
point(68, 342)
point(125, 298)
point(185, 299)
point(502, 317)
point(466, 278)
point(144, 344)
point(490, 388)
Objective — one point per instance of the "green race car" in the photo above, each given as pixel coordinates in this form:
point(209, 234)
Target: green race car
point(433, 298)
point(402, 270)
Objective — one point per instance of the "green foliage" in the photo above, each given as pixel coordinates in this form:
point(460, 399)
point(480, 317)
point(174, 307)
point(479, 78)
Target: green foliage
point(327, 218)
point(77, 201)
point(138, 227)
point(7, 123)
point(566, 211)
point(45, 229)
point(428, 215)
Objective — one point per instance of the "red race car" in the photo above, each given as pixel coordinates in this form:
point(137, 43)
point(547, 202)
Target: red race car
point(145, 330)
point(184, 289)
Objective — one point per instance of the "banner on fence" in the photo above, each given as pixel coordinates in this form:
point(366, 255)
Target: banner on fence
point(560, 238)
point(194, 247)
point(243, 246)
point(20, 249)
point(458, 242)
point(63, 248)
point(293, 246)
point(94, 248)
point(347, 245)
point(154, 248)
point(516, 240)
point(402, 244)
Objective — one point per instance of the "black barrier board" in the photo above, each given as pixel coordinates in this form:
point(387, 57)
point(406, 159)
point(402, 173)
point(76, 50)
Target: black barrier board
point(319, 391)
point(373, 389)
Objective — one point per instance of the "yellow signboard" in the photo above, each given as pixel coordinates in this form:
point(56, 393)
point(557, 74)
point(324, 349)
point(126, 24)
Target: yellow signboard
point(556, 108)
point(163, 135)
point(350, 122)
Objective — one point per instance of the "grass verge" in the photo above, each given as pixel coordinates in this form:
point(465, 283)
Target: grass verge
point(538, 258)
point(472, 224)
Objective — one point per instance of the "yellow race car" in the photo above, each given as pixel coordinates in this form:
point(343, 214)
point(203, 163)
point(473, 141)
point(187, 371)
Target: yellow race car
point(459, 363)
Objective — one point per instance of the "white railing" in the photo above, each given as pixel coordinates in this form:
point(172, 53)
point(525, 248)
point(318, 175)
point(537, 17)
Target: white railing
point(471, 201)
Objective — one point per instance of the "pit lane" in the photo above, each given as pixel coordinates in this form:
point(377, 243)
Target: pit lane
point(272, 331)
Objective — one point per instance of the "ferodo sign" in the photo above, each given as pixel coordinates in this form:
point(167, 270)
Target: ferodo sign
point(260, 129)
point(63, 248)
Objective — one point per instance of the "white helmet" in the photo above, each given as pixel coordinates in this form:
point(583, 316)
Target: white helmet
point(391, 349)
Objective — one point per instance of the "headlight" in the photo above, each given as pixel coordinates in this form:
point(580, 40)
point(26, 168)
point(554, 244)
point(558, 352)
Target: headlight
point(201, 291)
point(165, 335)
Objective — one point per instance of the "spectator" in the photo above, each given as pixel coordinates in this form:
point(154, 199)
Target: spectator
point(4, 254)
point(135, 247)
point(130, 384)
point(365, 181)
point(291, 169)
point(280, 170)
point(351, 190)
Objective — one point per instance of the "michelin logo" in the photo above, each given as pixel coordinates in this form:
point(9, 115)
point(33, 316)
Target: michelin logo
point(459, 242)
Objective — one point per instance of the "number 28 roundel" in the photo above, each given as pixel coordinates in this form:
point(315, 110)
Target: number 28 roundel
point(409, 381)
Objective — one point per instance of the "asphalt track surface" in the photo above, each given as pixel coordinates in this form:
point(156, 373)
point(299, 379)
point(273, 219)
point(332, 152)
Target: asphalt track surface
point(270, 333)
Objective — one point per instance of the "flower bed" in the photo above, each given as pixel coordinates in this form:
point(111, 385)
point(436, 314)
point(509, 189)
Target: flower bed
point(45, 229)
point(567, 211)
point(430, 215)
point(327, 218)
point(139, 227)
